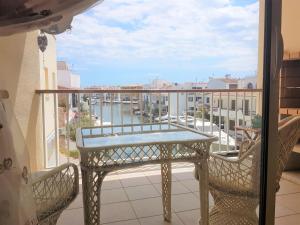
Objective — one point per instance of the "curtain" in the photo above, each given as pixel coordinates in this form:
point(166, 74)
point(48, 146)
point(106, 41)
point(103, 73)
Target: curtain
point(50, 16)
point(16, 198)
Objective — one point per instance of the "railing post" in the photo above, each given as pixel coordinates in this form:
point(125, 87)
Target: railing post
point(194, 111)
point(112, 112)
point(228, 101)
point(90, 109)
point(68, 125)
point(131, 112)
point(220, 112)
point(169, 106)
point(186, 109)
point(79, 110)
point(141, 110)
point(236, 119)
point(244, 107)
point(177, 109)
point(56, 128)
point(251, 107)
point(203, 111)
point(211, 113)
point(122, 116)
point(44, 132)
point(151, 110)
point(101, 113)
point(159, 109)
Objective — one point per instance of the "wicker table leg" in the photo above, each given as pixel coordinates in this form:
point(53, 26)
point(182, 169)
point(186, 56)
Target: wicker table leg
point(166, 182)
point(91, 187)
point(203, 186)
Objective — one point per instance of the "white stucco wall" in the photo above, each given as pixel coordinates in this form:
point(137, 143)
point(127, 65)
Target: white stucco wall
point(216, 84)
point(68, 79)
point(21, 73)
point(75, 81)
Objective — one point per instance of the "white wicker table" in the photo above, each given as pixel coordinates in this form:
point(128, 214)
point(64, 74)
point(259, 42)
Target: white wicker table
point(106, 149)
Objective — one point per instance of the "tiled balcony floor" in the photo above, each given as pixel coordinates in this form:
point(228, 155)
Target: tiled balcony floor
point(133, 197)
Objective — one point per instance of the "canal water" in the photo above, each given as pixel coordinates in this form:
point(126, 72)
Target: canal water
point(113, 113)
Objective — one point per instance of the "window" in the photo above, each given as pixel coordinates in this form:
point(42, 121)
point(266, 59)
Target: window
point(247, 112)
point(231, 124)
point(207, 100)
point(240, 122)
point(220, 105)
point(233, 104)
point(190, 99)
point(250, 85)
point(198, 99)
point(233, 86)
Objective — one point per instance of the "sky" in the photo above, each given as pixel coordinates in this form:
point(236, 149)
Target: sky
point(121, 42)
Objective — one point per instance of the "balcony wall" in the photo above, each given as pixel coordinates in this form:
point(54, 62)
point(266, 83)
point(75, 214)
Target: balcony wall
point(21, 64)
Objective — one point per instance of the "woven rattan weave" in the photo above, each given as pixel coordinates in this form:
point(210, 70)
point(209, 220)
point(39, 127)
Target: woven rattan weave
point(234, 184)
point(54, 191)
point(109, 149)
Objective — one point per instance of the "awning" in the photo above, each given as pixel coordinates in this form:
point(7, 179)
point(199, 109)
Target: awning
point(50, 16)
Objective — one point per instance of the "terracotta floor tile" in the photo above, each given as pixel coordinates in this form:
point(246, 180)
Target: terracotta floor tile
point(183, 202)
point(116, 212)
point(113, 195)
point(148, 207)
point(189, 217)
point(141, 192)
point(177, 188)
point(159, 220)
point(288, 220)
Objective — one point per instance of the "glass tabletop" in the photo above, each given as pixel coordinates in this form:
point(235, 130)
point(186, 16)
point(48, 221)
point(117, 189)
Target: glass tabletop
point(167, 136)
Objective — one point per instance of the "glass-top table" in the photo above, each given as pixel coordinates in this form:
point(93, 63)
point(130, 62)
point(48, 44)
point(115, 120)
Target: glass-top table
point(110, 148)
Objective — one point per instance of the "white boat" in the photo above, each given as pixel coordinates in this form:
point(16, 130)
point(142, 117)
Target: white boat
point(165, 118)
point(187, 120)
point(93, 101)
point(137, 113)
point(224, 138)
point(173, 119)
point(97, 123)
point(206, 127)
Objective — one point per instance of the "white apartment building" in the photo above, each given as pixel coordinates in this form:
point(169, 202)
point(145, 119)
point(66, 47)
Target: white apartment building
point(181, 103)
point(159, 84)
point(233, 108)
point(226, 82)
point(66, 79)
point(249, 82)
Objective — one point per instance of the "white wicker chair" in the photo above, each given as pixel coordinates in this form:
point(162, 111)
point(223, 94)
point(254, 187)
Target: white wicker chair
point(234, 183)
point(53, 192)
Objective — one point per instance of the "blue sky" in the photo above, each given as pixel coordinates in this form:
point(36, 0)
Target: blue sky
point(134, 41)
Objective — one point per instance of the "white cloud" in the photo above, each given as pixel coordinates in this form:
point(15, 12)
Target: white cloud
point(168, 29)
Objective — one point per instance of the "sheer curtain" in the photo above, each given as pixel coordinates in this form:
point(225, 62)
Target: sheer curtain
point(16, 198)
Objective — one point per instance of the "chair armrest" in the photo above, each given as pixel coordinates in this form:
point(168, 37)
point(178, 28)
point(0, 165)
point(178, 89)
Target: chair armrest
point(56, 189)
point(234, 174)
point(245, 147)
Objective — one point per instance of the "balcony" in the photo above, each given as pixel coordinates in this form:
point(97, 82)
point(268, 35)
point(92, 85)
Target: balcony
point(65, 110)
point(133, 196)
